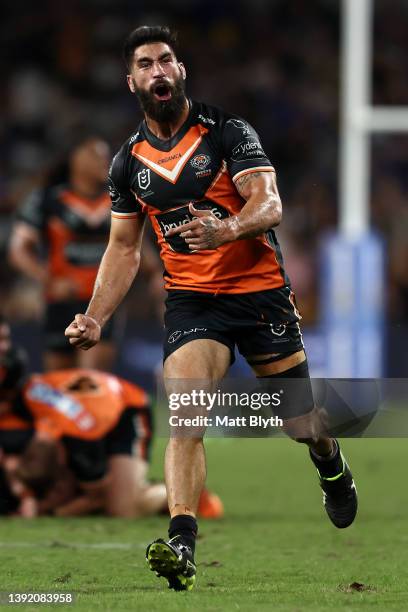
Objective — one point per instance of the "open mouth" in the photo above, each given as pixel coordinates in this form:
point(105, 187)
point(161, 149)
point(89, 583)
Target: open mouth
point(162, 92)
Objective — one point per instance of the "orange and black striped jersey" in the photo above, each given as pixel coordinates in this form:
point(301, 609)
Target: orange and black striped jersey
point(95, 415)
point(199, 164)
point(79, 403)
point(75, 230)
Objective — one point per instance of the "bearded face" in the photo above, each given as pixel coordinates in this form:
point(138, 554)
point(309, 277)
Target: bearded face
point(163, 101)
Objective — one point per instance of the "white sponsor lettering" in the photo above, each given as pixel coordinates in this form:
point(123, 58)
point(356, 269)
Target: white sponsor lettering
point(134, 137)
point(206, 120)
point(247, 148)
point(186, 219)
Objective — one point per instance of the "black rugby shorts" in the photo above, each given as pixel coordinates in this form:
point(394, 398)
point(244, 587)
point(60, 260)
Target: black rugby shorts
point(257, 323)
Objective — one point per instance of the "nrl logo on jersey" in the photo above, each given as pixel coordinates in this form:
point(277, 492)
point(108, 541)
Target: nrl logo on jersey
point(143, 179)
point(200, 162)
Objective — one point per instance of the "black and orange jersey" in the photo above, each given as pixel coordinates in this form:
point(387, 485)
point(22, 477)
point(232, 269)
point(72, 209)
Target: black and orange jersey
point(75, 230)
point(79, 403)
point(95, 416)
point(199, 164)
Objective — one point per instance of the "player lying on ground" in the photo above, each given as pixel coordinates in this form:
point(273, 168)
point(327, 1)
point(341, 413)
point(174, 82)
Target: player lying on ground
point(79, 440)
point(210, 192)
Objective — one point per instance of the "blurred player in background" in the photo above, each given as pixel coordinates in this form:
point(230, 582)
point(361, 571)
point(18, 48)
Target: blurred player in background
point(15, 432)
point(210, 192)
point(67, 222)
point(100, 426)
point(77, 441)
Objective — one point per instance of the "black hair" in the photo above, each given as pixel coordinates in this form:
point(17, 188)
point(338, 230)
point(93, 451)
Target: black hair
point(144, 35)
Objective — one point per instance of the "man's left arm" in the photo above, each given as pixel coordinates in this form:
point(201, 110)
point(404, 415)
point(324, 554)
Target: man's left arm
point(261, 212)
point(263, 208)
point(91, 499)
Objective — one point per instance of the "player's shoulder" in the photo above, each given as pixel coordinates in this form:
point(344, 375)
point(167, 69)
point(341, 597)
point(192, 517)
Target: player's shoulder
point(216, 117)
point(125, 150)
point(36, 198)
point(205, 114)
point(43, 198)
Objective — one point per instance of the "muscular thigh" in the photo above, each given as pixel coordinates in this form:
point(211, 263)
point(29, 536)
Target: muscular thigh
point(202, 359)
point(126, 483)
point(194, 368)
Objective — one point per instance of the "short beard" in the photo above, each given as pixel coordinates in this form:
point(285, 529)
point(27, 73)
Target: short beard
point(163, 111)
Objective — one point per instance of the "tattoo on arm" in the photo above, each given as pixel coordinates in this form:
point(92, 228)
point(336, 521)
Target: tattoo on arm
point(244, 180)
point(263, 208)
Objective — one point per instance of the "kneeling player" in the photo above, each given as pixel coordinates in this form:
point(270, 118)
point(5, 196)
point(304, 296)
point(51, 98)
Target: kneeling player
point(80, 440)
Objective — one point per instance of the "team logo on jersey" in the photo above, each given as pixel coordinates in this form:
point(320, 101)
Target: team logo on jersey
point(240, 125)
point(278, 329)
point(200, 162)
point(143, 178)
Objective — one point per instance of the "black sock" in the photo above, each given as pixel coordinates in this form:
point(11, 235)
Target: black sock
point(330, 467)
point(185, 526)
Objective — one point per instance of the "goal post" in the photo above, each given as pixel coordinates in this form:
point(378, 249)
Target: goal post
point(353, 280)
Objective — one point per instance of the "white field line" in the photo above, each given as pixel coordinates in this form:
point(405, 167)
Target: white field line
point(58, 544)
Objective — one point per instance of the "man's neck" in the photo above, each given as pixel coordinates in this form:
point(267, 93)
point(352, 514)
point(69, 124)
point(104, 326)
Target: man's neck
point(165, 131)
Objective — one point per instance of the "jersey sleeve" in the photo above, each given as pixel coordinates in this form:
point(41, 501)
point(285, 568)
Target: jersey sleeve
point(124, 203)
point(242, 149)
point(33, 210)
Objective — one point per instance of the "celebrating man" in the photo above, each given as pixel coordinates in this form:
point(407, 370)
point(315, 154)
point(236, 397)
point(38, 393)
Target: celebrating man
point(210, 192)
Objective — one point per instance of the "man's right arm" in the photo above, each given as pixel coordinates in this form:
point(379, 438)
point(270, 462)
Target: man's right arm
point(118, 268)
point(27, 235)
point(23, 252)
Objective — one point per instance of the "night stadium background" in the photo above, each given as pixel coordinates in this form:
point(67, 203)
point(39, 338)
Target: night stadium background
point(278, 64)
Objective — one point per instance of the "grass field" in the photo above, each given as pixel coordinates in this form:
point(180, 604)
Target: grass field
point(274, 550)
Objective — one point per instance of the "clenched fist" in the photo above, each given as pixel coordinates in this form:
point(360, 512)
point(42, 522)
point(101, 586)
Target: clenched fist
point(84, 332)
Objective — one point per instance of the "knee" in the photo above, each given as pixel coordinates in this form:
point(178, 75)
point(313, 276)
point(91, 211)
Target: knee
point(302, 429)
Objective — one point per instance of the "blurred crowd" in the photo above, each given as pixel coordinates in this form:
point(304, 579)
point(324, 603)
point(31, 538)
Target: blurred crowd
point(275, 62)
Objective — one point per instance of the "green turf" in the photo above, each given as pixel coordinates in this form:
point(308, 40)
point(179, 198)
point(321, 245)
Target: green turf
point(275, 549)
